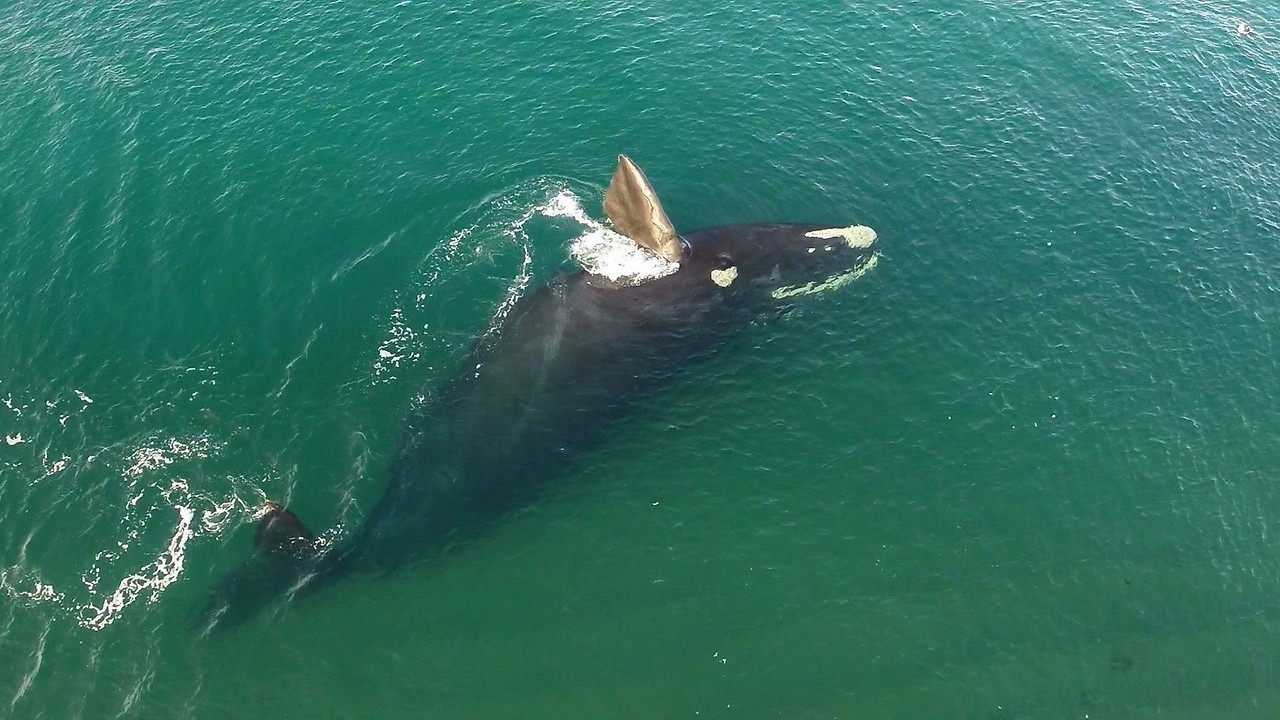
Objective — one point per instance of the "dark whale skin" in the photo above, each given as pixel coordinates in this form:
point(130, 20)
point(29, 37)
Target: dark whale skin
point(567, 362)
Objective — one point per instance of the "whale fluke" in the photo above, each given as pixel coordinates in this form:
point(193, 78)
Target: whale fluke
point(632, 205)
point(281, 534)
point(286, 554)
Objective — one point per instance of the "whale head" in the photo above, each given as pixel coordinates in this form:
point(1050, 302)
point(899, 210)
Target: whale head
point(768, 262)
point(778, 262)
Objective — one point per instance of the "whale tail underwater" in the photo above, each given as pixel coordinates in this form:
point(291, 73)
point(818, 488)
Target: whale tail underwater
point(567, 362)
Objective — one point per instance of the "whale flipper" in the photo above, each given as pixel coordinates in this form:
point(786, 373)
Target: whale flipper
point(632, 206)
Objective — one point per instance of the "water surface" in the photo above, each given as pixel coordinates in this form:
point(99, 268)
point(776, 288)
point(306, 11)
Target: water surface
point(1024, 469)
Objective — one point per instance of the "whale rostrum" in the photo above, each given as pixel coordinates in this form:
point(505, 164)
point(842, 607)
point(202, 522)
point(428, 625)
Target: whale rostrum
point(632, 205)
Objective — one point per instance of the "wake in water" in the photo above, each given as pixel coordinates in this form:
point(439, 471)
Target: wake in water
point(603, 252)
point(138, 493)
point(163, 511)
point(500, 243)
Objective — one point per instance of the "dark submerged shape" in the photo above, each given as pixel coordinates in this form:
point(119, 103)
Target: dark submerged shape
point(569, 360)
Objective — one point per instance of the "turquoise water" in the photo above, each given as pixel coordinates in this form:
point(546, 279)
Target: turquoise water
point(1024, 469)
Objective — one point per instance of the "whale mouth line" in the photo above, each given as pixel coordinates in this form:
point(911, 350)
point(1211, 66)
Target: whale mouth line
point(834, 282)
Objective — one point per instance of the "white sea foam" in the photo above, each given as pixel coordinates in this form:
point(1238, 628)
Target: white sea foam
point(220, 514)
point(601, 251)
point(150, 474)
point(58, 466)
point(596, 248)
point(407, 329)
point(516, 289)
point(32, 589)
point(196, 515)
point(605, 253)
point(153, 578)
point(153, 457)
point(399, 347)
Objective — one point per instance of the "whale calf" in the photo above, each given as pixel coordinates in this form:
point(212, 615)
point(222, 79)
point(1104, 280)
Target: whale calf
point(568, 361)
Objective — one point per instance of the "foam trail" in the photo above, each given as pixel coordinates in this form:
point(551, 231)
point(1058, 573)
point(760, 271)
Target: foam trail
point(603, 252)
point(155, 577)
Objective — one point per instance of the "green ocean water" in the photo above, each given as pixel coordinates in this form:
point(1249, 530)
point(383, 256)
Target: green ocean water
point(1026, 468)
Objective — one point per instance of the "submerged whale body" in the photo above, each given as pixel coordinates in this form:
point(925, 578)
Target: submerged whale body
point(569, 360)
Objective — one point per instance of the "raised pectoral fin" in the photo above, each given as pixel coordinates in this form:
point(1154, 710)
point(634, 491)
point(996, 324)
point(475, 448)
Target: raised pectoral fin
point(633, 207)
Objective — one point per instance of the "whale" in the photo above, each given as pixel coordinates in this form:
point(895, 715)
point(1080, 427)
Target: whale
point(559, 371)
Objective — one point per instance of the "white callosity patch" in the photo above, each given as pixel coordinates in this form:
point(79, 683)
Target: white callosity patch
point(605, 253)
point(857, 237)
point(831, 283)
point(724, 278)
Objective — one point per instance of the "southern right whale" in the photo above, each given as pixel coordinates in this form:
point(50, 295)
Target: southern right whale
point(567, 362)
